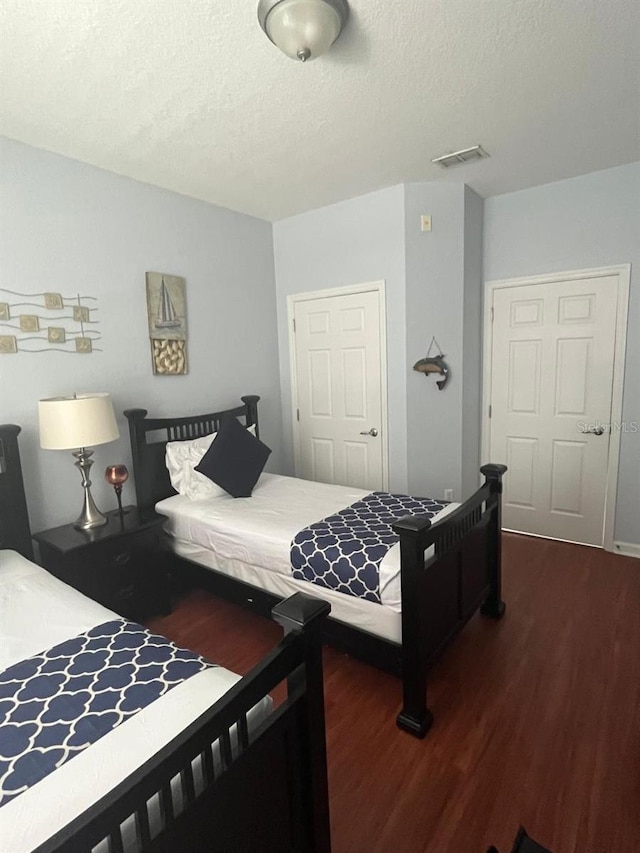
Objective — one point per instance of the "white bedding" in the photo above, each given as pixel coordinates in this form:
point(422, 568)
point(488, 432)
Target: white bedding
point(250, 539)
point(36, 612)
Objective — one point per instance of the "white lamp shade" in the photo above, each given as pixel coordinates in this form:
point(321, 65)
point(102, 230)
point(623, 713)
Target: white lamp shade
point(82, 421)
point(297, 26)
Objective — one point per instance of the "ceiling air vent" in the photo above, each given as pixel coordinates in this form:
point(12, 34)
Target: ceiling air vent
point(457, 158)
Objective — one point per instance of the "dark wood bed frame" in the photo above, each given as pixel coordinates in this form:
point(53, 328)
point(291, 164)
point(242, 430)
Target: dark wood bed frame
point(439, 594)
point(269, 791)
point(15, 532)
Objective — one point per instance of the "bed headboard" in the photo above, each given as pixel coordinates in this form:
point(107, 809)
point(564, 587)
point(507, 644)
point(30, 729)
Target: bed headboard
point(15, 531)
point(149, 437)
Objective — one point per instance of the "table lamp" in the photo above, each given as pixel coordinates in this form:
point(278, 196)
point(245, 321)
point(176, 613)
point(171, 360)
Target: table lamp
point(80, 421)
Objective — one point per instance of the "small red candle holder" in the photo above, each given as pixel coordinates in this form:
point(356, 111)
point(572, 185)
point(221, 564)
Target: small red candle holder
point(117, 476)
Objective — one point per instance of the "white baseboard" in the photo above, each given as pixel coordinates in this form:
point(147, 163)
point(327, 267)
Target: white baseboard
point(629, 549)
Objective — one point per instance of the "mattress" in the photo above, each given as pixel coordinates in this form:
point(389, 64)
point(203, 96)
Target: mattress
point(36, 612)
point(250, 540)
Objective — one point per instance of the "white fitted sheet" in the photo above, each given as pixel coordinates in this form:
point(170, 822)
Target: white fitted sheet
point(36, 612)
point(250, 539)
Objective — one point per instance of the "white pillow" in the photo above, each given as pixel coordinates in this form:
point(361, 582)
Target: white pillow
point(182, 456)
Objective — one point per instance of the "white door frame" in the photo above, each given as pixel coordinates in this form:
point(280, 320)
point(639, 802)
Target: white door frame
point(292, 299)
point(623, 273)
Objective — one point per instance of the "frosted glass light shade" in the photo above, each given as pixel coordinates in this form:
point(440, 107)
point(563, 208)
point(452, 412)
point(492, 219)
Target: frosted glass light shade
point(303, 29)
point(82, 421)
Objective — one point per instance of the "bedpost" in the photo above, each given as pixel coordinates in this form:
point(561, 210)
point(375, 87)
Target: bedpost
point(414, 717)
point(304, 615)
point(134, 416)
point(251, 402)
point(15, 531)
point(493, 605)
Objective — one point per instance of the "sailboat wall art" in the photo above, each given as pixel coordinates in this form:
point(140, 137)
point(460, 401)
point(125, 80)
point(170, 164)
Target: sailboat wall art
point(167, 314)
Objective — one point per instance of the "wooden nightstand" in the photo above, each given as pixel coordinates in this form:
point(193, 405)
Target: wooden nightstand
point(121, 565)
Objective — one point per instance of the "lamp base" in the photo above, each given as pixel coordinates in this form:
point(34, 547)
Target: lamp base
point(90, 516)
point(82, 523)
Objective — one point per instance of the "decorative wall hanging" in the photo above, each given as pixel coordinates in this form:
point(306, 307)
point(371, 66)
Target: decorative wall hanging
point(47, 322)
point(434, 364)
point(166, 306)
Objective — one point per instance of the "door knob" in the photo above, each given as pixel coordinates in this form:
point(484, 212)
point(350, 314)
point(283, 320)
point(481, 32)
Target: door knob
point(373, 431)
point(594, 430)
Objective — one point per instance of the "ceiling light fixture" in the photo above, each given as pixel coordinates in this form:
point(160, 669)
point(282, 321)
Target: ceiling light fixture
point(303, 29)
point(457, 158)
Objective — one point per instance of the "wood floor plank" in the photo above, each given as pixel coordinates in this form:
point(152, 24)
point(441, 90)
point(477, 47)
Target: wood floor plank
point(537, 717)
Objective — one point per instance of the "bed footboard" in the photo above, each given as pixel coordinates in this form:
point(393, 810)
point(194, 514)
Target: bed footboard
point(256, 790)
point(449, 570)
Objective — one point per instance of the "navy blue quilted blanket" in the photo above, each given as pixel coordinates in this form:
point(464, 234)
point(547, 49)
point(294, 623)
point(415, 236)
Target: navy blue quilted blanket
point(54, 705)
point(344, 551)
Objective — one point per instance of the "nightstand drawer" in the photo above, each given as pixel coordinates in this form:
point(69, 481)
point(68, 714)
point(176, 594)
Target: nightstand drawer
point(119, 553)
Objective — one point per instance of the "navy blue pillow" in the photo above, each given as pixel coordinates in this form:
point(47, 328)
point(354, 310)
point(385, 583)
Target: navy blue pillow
point(235, 459)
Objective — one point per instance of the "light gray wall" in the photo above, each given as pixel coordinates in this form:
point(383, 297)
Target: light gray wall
point(375, 237)
point(434, 306)
point(584, 222)
point(472, 337)
point(68, 227)
point(359, 240)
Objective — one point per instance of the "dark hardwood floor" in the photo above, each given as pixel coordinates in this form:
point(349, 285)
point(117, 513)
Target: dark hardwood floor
point(537, 717)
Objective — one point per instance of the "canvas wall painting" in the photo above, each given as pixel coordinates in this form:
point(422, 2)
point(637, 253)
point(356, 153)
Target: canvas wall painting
point(167, 317)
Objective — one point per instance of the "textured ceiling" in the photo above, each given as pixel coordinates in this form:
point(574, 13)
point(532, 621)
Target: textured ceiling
point(190, 95)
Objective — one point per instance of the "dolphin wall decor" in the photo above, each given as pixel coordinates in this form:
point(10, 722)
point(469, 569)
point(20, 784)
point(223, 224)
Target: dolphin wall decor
point(434, 364)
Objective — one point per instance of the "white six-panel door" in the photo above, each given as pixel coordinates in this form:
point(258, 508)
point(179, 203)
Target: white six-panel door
point(552, 365)
point(338, 386)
